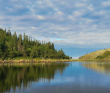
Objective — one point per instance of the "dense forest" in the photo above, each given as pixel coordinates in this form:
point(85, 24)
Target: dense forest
point(13, 45)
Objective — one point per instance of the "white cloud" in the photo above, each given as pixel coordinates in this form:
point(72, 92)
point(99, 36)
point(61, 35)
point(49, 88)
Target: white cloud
point(79, 5)
point(40, 17)
point(91, 7)
point(106, 3)
point(73, 22)
point(77, 13)
point(39, 2)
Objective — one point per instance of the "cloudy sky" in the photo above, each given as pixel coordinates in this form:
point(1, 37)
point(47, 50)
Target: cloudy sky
point(76, 26)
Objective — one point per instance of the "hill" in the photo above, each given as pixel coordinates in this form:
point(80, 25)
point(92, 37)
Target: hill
point(97, 55)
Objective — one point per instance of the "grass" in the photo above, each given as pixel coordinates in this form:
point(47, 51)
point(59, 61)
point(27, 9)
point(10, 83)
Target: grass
point(97, 55)
point(105, 55)
point(26, 59)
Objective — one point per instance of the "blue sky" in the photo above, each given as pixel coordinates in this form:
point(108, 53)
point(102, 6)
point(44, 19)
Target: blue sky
point(76, 26)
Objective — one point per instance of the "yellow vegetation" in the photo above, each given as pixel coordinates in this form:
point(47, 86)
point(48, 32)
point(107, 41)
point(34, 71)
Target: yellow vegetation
point(93, 55)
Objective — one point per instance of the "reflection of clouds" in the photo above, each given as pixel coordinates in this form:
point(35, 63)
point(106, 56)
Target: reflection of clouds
point(76, 64)
point(82, 80)
point(63, 80)
point(78, 75)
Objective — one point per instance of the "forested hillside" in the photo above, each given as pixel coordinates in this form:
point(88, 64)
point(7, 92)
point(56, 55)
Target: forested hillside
point(13, 45)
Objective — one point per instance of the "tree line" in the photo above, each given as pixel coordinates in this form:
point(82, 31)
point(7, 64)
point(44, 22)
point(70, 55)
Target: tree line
point(13, 45)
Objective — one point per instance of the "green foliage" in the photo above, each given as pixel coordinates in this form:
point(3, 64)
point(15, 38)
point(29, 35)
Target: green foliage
point(12, 46)
point(0, 50)
point(105, 55)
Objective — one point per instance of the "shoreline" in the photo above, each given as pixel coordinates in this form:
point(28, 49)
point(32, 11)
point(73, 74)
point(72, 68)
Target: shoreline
point(39, 60)
point(94, 60)
point(49, 60)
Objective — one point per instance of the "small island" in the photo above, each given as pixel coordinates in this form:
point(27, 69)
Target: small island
point(21, 48)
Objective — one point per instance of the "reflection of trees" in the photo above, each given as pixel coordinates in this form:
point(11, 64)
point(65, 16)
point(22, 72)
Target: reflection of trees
point(99, 67)
point(15, 76)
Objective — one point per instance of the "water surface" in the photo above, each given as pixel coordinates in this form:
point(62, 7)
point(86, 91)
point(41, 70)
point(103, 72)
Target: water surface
point(59, 77)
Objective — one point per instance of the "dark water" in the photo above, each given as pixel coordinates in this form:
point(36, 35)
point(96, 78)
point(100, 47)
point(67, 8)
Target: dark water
point(70, 77)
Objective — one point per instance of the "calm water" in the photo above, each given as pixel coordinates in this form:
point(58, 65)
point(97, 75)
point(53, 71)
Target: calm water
point(68, 77)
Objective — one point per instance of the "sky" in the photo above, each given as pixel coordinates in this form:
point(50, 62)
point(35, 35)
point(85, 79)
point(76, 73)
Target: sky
point(77, 26)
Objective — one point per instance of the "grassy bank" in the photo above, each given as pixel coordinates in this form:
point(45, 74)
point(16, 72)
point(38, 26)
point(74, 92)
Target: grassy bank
point(24, 59)
point(94, 60)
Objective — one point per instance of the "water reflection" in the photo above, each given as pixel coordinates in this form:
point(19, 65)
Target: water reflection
point(102, 67)
point(72, 77)
point(14, 75)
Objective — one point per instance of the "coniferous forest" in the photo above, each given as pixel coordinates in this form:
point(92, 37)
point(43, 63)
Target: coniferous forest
point(13, 45)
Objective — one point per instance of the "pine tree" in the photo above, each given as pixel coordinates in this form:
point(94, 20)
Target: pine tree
point(20, 47)
point(0, 50)
point(14, 37)
point(12, 46)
